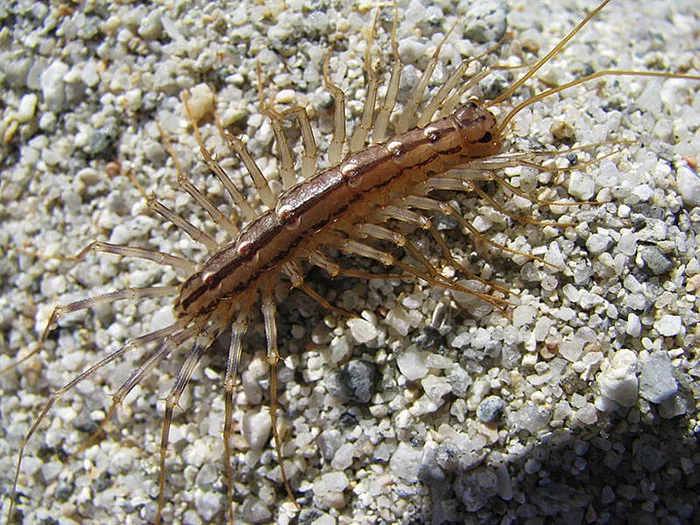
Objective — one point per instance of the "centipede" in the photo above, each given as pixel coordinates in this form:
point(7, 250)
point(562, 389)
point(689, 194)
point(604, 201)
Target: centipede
point(380, 271)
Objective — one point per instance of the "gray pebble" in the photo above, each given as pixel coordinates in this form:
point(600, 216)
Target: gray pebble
point(656, 382)
point(489, 408)
point(356, 381)
point(656, 261)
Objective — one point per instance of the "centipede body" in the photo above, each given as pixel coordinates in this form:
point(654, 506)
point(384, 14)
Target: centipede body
point(101, 327)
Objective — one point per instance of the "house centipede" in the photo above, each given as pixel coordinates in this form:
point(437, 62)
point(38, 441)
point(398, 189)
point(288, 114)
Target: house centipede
point(268, 456)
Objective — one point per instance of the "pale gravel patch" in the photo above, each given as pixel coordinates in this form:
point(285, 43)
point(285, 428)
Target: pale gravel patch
point(56, 197)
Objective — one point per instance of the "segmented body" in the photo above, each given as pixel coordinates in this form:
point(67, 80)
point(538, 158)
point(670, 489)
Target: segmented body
point(213, 275)
point(336, 197)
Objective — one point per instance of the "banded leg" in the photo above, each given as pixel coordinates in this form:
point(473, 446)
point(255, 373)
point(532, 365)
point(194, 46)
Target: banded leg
point(409, 113)
point(353, 247)
point(416, 219)
point(283, 149)
point(164, 333)
point(236, 195)
point(379, 133)
point(296, 277)
point(184, 183)
point(181, 223)
point(132, 294)
point(361, 131)
point(201, 343)
point(269, 311)
point(310, 155)
point(259, 180)
point(335, 150)
point(319, 260)
point(162, 258)
point(238, 330)
point(428, 204)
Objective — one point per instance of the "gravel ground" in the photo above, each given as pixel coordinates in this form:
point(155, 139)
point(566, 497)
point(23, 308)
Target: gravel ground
point(577, 405)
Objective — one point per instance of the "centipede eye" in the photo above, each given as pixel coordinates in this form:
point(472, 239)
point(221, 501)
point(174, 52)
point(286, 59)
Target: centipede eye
point(487, 137)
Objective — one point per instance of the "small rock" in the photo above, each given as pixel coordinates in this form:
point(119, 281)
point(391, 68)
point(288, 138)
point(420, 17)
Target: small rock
point(201, 101)
point(656, 382)
point(27, 107)
point(598, 243)
point(362, 330)
point(634, 325)
point(656, 261)
point(619, 382)
point(688, 184)
point(405, 462)
point(52, 86)
point(489, 408)
point(435, 387)
point(668, 325)
point(254, 510)
point(412, 365)
point(532, 418)
point(256, 428)
point(356, 381)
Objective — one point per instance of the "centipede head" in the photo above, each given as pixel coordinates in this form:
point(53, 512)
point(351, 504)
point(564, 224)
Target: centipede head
point(478, 128)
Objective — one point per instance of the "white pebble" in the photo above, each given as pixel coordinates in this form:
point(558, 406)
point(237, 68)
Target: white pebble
point(668, 325)
point(412, 365)
point(435, 387)
point(362, 331)
point(27, 107)
point(524, 315)
point(688, 185)
point(256, 428)
point(201, 102)
point(208, 505)
point(51, 81)
point(405, 461)
point(598, 243)
point(581, 186)
point(634, 325)
point(619, 382)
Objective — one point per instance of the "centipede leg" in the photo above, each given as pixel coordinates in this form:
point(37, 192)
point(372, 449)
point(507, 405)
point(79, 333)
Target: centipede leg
point(418, 220)
point(171, 401)
point(361, 131)
point(58, 394)
point(310, 154)
point(238, 330)
point(335, 149)
point(202, 200)
point(269, 311)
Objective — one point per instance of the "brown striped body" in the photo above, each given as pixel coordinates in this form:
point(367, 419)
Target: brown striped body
point(339, 193)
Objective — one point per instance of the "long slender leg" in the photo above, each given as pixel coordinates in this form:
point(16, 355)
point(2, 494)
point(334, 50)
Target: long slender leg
point(131, 294)
point(164, 333)
point(310, 155)
point(201, 343)
point(335, 150)
point(190, 229)
point(162, 258)
point(184, 182)
point(379, 133)
point(416, 219)
point(238, 330)
point(359, 134)
point(354, 247)
point(283, 149)
point(426, 203)
point(269, 311)
point(293, 271)
point(409, 113)
point(318, 259)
